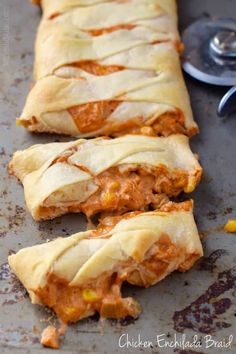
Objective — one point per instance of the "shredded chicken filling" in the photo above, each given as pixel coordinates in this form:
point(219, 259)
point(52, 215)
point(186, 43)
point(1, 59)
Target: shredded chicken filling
point(133, 189)
point(166, 124)
point(121, 191)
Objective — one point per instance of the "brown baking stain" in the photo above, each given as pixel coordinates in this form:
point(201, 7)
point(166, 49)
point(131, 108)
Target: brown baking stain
point(232, 194)
point(181, 351)
point(25, 54)
point(212, 214)
point(205, 233)
point(206, 178)
point(3, 193)
point(94, 318)
point(21, 335)
point(205, 313)
point(18, 81)
point(5, 273)
point(13, 286)
point(17, 218)
point(208, 263)
point(6, 124)
point(128, 320)
point(2, 151)
point(3, 234)
point(227, 211)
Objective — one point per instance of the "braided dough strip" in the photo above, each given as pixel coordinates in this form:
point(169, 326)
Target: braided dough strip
point(52, 8)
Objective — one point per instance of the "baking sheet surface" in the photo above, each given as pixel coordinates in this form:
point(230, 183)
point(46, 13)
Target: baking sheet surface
point(200, 302)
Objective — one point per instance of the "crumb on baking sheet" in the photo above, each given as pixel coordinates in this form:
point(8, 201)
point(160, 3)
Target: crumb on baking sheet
point(51, 336)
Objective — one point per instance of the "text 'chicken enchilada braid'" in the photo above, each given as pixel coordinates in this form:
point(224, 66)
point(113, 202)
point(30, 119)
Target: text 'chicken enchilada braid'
point(82, 274)
point(108, 68)
point(105, 175)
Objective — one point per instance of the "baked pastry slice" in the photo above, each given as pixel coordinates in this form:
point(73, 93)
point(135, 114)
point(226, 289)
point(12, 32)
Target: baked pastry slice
point(79, 103)
point(105, 175)
point(82, 274)
point(109, 69)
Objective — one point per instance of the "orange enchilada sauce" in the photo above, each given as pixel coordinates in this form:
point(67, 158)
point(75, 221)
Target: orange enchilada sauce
point(94, 68)
point(92, 116)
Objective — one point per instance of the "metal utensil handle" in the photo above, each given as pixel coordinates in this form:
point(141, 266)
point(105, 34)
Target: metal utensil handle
point(228, 103)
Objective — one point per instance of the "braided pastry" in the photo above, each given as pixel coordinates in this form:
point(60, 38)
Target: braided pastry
point(108, 68)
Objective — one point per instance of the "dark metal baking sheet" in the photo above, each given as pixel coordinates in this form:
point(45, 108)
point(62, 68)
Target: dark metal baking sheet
point(200, 302)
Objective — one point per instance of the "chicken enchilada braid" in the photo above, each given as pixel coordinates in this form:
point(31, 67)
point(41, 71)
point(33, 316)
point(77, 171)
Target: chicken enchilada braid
point(108, 69)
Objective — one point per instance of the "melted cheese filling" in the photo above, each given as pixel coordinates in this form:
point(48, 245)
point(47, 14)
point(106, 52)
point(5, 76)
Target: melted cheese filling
point(121, 190)
point(133, 190)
